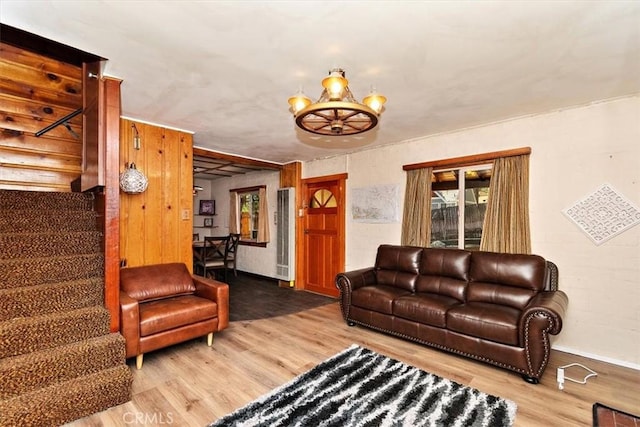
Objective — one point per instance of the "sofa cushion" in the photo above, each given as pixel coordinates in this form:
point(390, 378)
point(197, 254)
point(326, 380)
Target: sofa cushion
point(444, 272)
point(429, 309)
point(397, 266)
point(508, 279)
point(377, 298)
point(492, 322)
point(152, 282)
point(169, 313)
point(522, 271)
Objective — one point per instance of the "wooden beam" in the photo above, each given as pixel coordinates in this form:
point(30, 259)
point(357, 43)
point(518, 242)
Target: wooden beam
point(111, 198)
point(52, 49)
point(235, 159)
point(290, 175)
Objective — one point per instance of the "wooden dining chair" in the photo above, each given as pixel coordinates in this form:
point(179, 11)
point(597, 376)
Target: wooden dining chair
point(228, 259)
point(232, 252)
point(211, 255)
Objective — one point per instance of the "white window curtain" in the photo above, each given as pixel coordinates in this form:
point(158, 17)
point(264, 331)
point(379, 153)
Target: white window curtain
point(263, 217)
point(234, 219)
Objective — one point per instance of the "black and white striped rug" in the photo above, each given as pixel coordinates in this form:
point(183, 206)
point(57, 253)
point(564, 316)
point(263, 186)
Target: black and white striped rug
point(359, 387)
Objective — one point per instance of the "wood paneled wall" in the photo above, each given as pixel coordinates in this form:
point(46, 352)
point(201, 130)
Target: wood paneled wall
point(157, 225)
point(35, 91)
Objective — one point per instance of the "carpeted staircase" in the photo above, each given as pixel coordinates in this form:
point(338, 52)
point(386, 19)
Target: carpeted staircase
point(58, 360)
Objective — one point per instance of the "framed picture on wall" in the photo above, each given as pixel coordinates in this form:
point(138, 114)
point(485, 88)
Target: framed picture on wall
point(207, 207)
point(208, 222)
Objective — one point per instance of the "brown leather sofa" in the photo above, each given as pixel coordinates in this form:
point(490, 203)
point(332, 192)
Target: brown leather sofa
point(163, 304)
point(493, 307)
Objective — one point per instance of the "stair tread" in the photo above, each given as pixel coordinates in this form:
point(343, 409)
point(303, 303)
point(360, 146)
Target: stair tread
point(26, 334)
point(54, 285)
point(47, 258)
point(21, 272)
point(50, 353)
point(45, 233)
point(27, 372)
point(25, 221)
point(32, 300)
point(52, 316)
point(70, 400)
point(52, 212)
point(49, 201)
point(40, 244)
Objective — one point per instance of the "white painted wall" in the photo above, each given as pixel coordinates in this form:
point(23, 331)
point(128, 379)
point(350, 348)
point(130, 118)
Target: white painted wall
point(198, 221)
point(574, 151)
point(256, 260)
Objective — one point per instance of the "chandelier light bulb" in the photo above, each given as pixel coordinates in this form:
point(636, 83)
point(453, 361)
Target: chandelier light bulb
point(335, 90)
point(375, 101)
point(335, 84)
point(299, 101)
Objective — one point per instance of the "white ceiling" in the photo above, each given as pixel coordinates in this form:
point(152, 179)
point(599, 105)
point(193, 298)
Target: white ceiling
point(224, 69)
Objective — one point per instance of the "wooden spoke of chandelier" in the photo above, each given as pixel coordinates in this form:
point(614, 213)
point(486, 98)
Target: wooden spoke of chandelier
point(336, 114)
point(327, 124)
point(325, 120)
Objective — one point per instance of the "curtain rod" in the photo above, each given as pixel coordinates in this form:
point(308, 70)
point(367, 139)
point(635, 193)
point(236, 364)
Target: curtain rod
point(469, 160)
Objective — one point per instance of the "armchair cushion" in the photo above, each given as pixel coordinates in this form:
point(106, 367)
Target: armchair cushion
point(154, 282)
point(169, 313)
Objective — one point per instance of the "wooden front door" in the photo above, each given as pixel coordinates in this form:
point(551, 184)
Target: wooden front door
point(324, 219)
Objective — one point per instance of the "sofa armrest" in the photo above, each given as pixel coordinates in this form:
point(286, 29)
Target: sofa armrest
point(214, 291)
point(352, 280)
point(549, 304)
point(130, 323)
point(349, 281)
point(542, 317)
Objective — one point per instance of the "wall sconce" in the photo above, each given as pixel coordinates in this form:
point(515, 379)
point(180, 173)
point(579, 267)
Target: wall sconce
point(197, 188)
point(136, 137)
point(132, 181)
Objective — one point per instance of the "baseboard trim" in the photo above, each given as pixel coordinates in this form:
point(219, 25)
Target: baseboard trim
point(597, 357)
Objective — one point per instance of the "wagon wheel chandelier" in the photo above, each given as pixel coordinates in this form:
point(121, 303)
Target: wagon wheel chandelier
point(337, 112)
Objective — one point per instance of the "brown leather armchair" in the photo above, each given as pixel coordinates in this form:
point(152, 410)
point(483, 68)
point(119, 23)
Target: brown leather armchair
point(163, 304)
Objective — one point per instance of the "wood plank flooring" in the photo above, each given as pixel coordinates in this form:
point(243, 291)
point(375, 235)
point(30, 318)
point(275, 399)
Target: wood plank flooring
point(191, 384)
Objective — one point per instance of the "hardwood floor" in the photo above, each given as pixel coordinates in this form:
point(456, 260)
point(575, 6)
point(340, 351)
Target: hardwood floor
point(191, 384)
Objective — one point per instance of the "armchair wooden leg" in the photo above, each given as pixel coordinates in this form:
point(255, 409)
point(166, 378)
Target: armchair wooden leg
point(210, 339)
point(139, 361)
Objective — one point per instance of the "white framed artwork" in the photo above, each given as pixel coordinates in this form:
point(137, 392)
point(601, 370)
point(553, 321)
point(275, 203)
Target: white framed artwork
point(603, 214)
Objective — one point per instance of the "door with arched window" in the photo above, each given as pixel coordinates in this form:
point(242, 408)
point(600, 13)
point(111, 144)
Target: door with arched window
point(324, 219)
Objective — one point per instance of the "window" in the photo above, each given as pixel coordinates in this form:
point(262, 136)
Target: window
point(463, 211)
point(323, 198)
point(249, 214)
point(249, 217)
point(458, 206)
